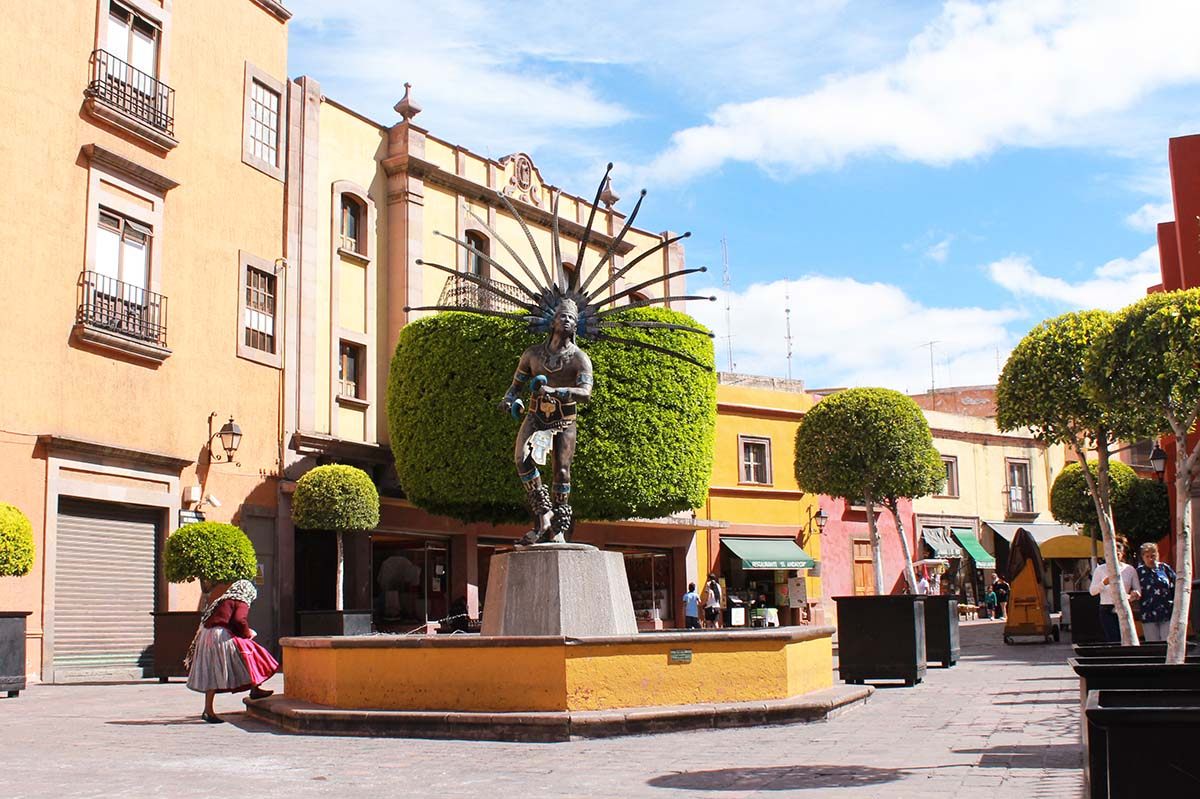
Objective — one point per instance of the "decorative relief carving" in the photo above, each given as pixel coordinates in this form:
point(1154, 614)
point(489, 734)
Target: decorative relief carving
point(522, 183)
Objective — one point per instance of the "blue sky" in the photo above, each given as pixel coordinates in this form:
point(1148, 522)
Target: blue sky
point(895, 173)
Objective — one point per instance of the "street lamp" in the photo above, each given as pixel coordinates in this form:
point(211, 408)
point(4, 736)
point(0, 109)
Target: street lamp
point(820, 517)
point(230, 436)
point(1158, 460)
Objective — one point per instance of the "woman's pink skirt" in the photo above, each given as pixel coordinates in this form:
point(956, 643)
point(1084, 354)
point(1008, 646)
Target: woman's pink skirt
point(259, 661)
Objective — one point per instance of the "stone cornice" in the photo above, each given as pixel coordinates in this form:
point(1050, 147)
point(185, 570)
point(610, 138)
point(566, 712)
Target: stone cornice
point(60, 446)
point(275, 9)
point(131, 170)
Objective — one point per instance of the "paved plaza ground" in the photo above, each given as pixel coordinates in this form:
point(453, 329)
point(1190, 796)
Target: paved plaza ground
point(1002, 723)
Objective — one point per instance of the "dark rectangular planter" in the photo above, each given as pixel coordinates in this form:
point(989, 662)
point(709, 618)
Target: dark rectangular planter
point(335, 622)
point(12, 651)
point(881, 638)
point(1107, 674)
point(941, 629)
point(1085, 618)
point(173, 634)
point(1155, 648)
point(1143, 739)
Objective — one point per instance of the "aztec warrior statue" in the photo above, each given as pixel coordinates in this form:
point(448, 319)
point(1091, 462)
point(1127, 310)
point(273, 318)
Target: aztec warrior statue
point(557, 372)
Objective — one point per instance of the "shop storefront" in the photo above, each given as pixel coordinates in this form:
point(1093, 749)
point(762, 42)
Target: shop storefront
point(765, 581)
point(410, 581)
point(1066, 554)
point(969, 567)
point(650, 573)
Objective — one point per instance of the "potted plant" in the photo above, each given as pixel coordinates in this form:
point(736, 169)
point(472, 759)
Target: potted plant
point(211, 552)
point(875, 444)
point(16, 559)
point(339, 499)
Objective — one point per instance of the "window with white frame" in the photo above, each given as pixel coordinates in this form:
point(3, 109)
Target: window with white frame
point(259, 291)
point(133, 39)
point(350, 376)
point(352, 225)
point(263, 136)
point(755, 460)
point(122, 262)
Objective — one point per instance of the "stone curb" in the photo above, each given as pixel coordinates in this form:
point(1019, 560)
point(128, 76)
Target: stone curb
point(307, 718)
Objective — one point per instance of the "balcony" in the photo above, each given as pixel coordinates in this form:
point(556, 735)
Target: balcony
point(121, 316)
point(461, 293)
point(1020, 501)
point(131, 99)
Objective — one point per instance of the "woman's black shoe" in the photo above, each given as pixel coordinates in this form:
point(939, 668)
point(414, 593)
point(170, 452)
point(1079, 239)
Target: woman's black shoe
point(212, 718)
point(260, 693)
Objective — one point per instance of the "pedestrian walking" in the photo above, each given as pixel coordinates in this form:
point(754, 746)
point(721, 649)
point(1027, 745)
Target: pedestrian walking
point(224, 658)
point(923, 585)
point(1002, 589)
point(691, 608)
point(1104, 586)
point(989, 604)
point(712, 603)
point(1157, 581)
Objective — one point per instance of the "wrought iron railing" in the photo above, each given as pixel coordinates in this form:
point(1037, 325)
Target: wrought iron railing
point(462, 293)
point(108, 304)
point(131, 91)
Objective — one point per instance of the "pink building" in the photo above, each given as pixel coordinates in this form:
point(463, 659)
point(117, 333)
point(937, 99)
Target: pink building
point(846, 565)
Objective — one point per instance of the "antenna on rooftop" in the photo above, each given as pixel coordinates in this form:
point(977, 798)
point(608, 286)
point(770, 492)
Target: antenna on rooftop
point(787, 316)
point(930, 344)
point(725, 284)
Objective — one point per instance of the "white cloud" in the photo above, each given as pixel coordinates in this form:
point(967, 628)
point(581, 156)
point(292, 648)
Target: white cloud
point(847, 333)
point(1147, 217)
point(1113, 285)
point(941, 251)
point(979, 77)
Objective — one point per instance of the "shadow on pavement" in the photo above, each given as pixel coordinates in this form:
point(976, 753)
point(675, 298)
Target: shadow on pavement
point(1065, 756)
point(158, 722)
point(779, 778)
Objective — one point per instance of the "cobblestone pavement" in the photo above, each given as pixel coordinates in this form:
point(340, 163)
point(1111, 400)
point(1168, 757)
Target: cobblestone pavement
point(1002, 723)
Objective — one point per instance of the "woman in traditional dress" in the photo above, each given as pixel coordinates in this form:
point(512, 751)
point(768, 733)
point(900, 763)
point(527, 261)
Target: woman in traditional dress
point(224, 658)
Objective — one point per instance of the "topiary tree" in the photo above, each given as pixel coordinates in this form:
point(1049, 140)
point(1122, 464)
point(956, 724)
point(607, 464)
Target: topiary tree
point(1143, 515)
point(1141, 511)
point(645, 438)
point(1146, 368)
point(872, 443)
point(16, 542)
point(212, 552)
point(1042, 388)
point(338, 498)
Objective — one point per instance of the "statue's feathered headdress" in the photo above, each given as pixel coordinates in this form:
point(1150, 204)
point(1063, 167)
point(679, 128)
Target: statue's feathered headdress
point(540, 302)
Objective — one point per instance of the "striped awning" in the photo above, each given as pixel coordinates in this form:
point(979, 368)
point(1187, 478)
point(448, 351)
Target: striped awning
point(940, 542)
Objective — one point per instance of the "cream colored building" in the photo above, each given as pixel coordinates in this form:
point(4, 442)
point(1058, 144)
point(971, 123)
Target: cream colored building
point(366, 201)
point(143, 158)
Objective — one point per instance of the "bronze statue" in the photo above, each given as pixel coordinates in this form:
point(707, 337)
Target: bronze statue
point(557, 371)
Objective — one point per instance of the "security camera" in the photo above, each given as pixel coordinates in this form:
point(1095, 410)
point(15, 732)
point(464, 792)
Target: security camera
point(211, 500)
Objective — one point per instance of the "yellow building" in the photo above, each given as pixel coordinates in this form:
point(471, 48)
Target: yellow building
point(366, 200)
point(772, 544)
point(995, 483)
point(149, 134)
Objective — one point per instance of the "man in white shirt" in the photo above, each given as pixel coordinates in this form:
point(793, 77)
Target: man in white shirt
point(923, 585)
point(1103, 585)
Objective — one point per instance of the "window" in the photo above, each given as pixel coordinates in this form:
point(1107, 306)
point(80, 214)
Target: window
point(950, 486)
point(122, 256)
point(125, 87)
point(350, 374)
point(263, 129)
point(259, 295)
point(476, 265)
point(1020, 495)
point(756, 460)
point(352, 225)
point(134, 40)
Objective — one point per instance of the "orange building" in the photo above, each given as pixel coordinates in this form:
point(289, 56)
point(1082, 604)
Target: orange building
point(150, 135)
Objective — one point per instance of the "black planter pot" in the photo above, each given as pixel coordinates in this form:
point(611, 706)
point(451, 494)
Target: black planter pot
point(1118, 674)
point(12, 651)
point(173, 634)
point(941, 629)
point(881, 638)
point(335, 622)
point(1154, 648)
point(1143, 738)
point(1085, 618)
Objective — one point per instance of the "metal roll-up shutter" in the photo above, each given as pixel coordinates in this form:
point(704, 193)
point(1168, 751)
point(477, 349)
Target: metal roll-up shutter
point(104, 590)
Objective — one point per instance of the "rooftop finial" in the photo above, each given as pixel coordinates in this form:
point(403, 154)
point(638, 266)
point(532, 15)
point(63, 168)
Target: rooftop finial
point(406, 107)
point(607, 195)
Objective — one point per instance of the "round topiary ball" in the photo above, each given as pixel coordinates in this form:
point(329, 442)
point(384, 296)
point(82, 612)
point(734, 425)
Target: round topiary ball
point(16, 542)
point(210, 551)
point(335, 497)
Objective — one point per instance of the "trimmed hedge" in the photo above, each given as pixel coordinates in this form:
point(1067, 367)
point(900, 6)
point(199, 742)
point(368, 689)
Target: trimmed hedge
point(335, 498)
point(210, 551)
point(645, 439)
point(1141, 507)
point(16, 542)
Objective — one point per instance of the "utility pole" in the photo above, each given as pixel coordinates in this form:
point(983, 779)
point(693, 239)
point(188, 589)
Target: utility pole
point(725, 284)
point(787, 315)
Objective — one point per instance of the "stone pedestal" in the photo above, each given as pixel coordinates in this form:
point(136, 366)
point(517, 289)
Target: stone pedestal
point(570, 590)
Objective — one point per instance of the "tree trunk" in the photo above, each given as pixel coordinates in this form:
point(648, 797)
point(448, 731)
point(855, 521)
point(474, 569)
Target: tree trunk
point(910, 575)
point(1101, 499)
point(876, 546)
point(341, 573)
point(1177, 632)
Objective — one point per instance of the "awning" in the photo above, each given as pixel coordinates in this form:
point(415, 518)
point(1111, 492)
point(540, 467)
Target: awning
point(940, 543)
point(1040, 532)
point(966, 536)
point(769, 553)
point(1070, 546)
